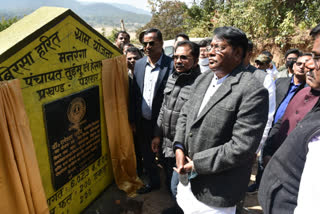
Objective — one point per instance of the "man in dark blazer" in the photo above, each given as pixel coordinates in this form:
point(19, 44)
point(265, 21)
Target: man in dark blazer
point(290, 183)
point(287, 87)
point(150, 77)
point(286, 123)
point(219, 129)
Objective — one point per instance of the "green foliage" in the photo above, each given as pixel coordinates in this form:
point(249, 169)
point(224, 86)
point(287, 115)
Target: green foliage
point(270, 24)
point(275, 21)
point(5, 23)
point(200, 16)
point(112, 36)
point(167, 16)
point(264, 20)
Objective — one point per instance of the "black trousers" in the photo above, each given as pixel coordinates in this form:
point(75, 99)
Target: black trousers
point(260, 168)
point(144, 138)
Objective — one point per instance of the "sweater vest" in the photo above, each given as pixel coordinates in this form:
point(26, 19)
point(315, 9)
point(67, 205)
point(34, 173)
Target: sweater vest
point(279, 187)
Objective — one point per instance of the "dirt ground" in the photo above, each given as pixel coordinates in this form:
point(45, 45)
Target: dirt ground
point(115, 201)
point(251, 204)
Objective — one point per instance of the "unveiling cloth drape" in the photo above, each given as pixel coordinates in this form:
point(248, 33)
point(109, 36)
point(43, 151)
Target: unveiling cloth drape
point(115, 95)
point(21, 189)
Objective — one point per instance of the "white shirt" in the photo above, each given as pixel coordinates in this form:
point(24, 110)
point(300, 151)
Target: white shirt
point(269, 84)
point(273, 71)
point(150, 79)
point(309, 190)
point(213, 87)
point(191, 205)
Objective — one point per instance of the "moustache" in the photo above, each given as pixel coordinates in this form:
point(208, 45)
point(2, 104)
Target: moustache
point(179, 65)
point(311, 73)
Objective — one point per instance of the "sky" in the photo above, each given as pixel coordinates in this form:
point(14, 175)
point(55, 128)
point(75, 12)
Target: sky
point(142, 4)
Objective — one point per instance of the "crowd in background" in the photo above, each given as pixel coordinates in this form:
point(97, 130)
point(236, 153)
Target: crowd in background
point(206, 114)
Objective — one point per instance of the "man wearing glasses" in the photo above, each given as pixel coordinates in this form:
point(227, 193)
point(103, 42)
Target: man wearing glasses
point(176, 93)
point(219, 129)
point(291, 57)
point(286, 89)
point(292, 111)
point(262, 62)
point(290, 183)
point(203, 57)
point(150, 76)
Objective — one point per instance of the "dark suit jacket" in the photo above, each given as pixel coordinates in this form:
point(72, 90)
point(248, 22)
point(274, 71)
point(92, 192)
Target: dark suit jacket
point(223, 139)
point(282, 87)
point(166, 68)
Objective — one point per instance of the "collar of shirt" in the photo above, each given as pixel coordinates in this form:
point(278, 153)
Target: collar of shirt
point(292, 83)
point(216, 81)
point(157, 63)
point(213, 87)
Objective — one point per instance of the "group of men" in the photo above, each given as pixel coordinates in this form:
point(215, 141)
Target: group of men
point(208, 119)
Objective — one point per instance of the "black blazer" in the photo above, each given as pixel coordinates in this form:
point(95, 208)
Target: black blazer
point(282, 87)
point(166, 68)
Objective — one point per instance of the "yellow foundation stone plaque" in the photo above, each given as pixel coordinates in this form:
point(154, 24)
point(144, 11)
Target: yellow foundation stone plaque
point(57, 57)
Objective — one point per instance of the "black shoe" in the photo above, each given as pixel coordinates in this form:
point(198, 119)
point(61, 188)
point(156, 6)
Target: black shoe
point(147, 188)
point(144, 189)
point(253, 188)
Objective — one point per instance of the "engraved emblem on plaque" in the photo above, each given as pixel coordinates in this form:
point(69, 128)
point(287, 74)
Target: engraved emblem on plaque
point(76, 112)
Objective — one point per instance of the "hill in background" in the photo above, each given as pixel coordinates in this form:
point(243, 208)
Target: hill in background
point(98, 15)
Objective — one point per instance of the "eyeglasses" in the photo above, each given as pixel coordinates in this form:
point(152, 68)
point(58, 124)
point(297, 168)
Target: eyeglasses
point(300, 63)
point(204, 49)
point(292, 59)
point(130, 58)
point(316, 59)
point(217, 48)
point(181, 57)
point(146, 43)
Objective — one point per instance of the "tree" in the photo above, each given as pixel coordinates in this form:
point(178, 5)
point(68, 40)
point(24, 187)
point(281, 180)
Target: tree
point(271, 24)
point(112, 36)
point(5, 23)
point(199, 18)
point(167, 16)
point(272, 21)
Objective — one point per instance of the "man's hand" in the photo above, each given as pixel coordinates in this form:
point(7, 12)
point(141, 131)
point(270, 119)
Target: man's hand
point(189, 165)
point(180, 161)
point(155, 144)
